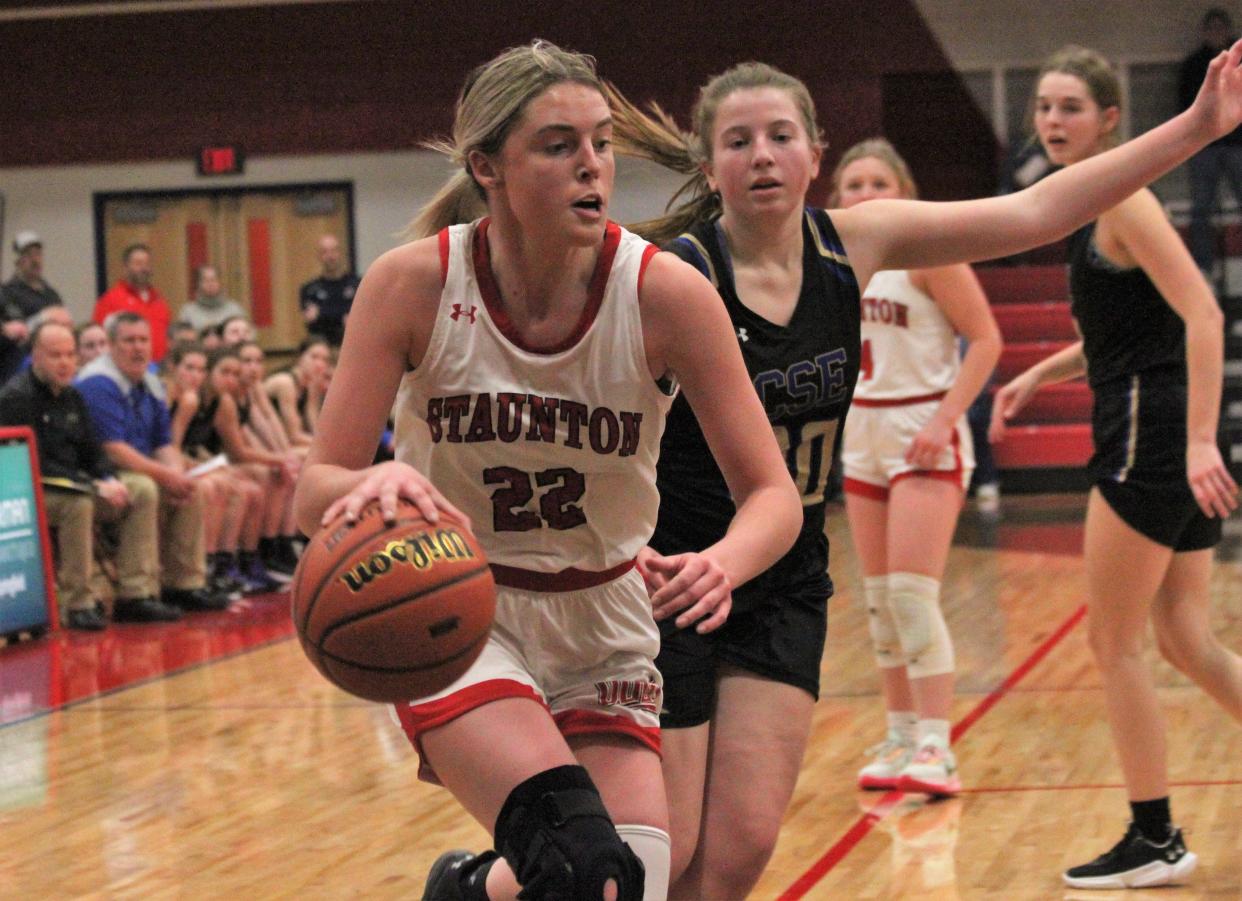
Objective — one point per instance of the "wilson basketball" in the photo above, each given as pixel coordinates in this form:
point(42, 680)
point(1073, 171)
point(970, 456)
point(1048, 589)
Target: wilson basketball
point(393, 612)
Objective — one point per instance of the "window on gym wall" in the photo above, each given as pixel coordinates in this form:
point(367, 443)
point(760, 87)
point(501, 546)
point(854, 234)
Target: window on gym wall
point(262, 240)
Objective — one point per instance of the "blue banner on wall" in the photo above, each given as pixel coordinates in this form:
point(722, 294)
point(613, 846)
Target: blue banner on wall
point(23, 592)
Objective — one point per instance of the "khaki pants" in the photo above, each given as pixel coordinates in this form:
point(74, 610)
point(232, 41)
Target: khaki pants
point(150, 530)
point(74, 515)
point(183, 554)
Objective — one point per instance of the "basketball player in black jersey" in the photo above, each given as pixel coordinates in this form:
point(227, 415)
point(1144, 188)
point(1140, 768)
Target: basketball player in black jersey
point(296, 391)
point(1152, 351)
point(739, 701)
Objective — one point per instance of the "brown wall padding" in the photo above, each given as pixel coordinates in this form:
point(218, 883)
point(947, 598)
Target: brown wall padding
point(383, 75)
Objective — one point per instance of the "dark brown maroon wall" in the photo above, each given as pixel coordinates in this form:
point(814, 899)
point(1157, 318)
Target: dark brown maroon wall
point(383, 75)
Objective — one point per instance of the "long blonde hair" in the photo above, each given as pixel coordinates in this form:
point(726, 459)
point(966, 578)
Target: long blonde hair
point(490, 104)
point(655, 136)
point(880, 149)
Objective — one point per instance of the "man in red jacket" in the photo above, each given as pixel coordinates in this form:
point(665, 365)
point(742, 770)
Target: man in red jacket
point(134, 293)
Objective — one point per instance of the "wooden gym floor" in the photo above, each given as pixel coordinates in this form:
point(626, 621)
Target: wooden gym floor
point(206, 759)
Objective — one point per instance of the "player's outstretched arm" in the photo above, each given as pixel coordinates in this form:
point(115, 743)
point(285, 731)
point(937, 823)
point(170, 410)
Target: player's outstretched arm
point(393, 313)
point(905, 234)
point(688, 333)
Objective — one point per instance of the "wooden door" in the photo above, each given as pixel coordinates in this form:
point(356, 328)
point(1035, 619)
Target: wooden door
point(263, 242)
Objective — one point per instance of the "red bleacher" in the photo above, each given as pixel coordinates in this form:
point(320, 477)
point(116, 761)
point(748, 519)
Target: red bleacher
point(1031, 305)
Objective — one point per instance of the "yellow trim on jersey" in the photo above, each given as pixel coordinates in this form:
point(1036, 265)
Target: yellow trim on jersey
point(707, 257)
point(824, 250)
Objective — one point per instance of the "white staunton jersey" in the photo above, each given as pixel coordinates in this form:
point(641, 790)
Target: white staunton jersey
point(550, 452)
point(909, 347)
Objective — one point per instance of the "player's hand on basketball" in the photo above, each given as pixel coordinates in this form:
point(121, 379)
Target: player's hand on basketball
point(1007, 403)
point(1219, 102)
point(386, 483)
point(928, 444)
point(1214, 489)
point(695, 585)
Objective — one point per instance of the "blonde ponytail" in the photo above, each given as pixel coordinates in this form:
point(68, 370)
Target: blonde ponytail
point(654, 135)
point(458, 201)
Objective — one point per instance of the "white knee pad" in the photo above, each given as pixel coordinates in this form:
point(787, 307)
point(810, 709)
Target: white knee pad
point(654, 848)
point(884, 637)
point(915, 604)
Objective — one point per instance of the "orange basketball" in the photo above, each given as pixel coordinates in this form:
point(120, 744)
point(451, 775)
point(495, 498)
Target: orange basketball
point(393, 612)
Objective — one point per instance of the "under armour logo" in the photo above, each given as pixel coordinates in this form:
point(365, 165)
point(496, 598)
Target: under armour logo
point(742, 336)
point(458, 312)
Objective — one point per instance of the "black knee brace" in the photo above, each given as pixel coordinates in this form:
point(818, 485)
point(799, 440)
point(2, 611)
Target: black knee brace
point(558, 838)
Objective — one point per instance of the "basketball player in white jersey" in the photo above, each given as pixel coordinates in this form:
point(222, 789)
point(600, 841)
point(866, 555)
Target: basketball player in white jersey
point(908, 459)
point(539, 347)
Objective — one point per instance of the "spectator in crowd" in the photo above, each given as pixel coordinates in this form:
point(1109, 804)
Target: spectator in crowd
point(264, 431)
point(123, 398)
point(210, 306)
point(271, 475)
point(236, 330)
point(92, 341)
point(134, 293)
point(80, 486)
point(27, 288)
point(296, 390)
point(57, 314)
point(1220, 159)
point(326, 300)
point(182, 332)
point(234, 504)
point(209, 338)
point(1024, 165)
point(13, 335)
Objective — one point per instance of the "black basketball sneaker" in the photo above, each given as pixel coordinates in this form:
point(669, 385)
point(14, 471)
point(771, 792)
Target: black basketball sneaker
point(458, 876)
point(1136, 862)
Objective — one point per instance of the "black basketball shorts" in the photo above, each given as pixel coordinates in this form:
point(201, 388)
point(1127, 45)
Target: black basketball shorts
point(1139, 465)
point(776, 630)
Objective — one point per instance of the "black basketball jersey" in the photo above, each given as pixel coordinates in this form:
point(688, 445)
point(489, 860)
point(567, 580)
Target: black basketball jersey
point(804, 373)
point(1127, 326)
point(200, 433)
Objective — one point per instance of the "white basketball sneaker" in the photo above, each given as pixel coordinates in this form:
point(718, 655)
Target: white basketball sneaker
point(891, 757)
point(932, 770)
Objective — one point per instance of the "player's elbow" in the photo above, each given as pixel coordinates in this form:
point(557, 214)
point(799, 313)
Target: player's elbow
point(787, 521)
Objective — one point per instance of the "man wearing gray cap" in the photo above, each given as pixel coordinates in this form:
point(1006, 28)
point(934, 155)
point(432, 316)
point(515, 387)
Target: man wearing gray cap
point(26, 288)
point(21, 298)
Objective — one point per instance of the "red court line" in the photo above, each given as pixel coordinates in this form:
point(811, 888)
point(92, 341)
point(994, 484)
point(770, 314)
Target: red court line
point(846, 843)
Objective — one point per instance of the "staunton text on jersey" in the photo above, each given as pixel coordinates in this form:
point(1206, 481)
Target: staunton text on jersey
point(889, 312)
point(510, 417)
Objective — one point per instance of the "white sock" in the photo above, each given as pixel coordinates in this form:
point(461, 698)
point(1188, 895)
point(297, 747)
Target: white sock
point(904, 723)
point(934, 730)
point(653, 847)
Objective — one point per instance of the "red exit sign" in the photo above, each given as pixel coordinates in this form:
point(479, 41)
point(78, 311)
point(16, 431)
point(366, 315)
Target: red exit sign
point(221, 160)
